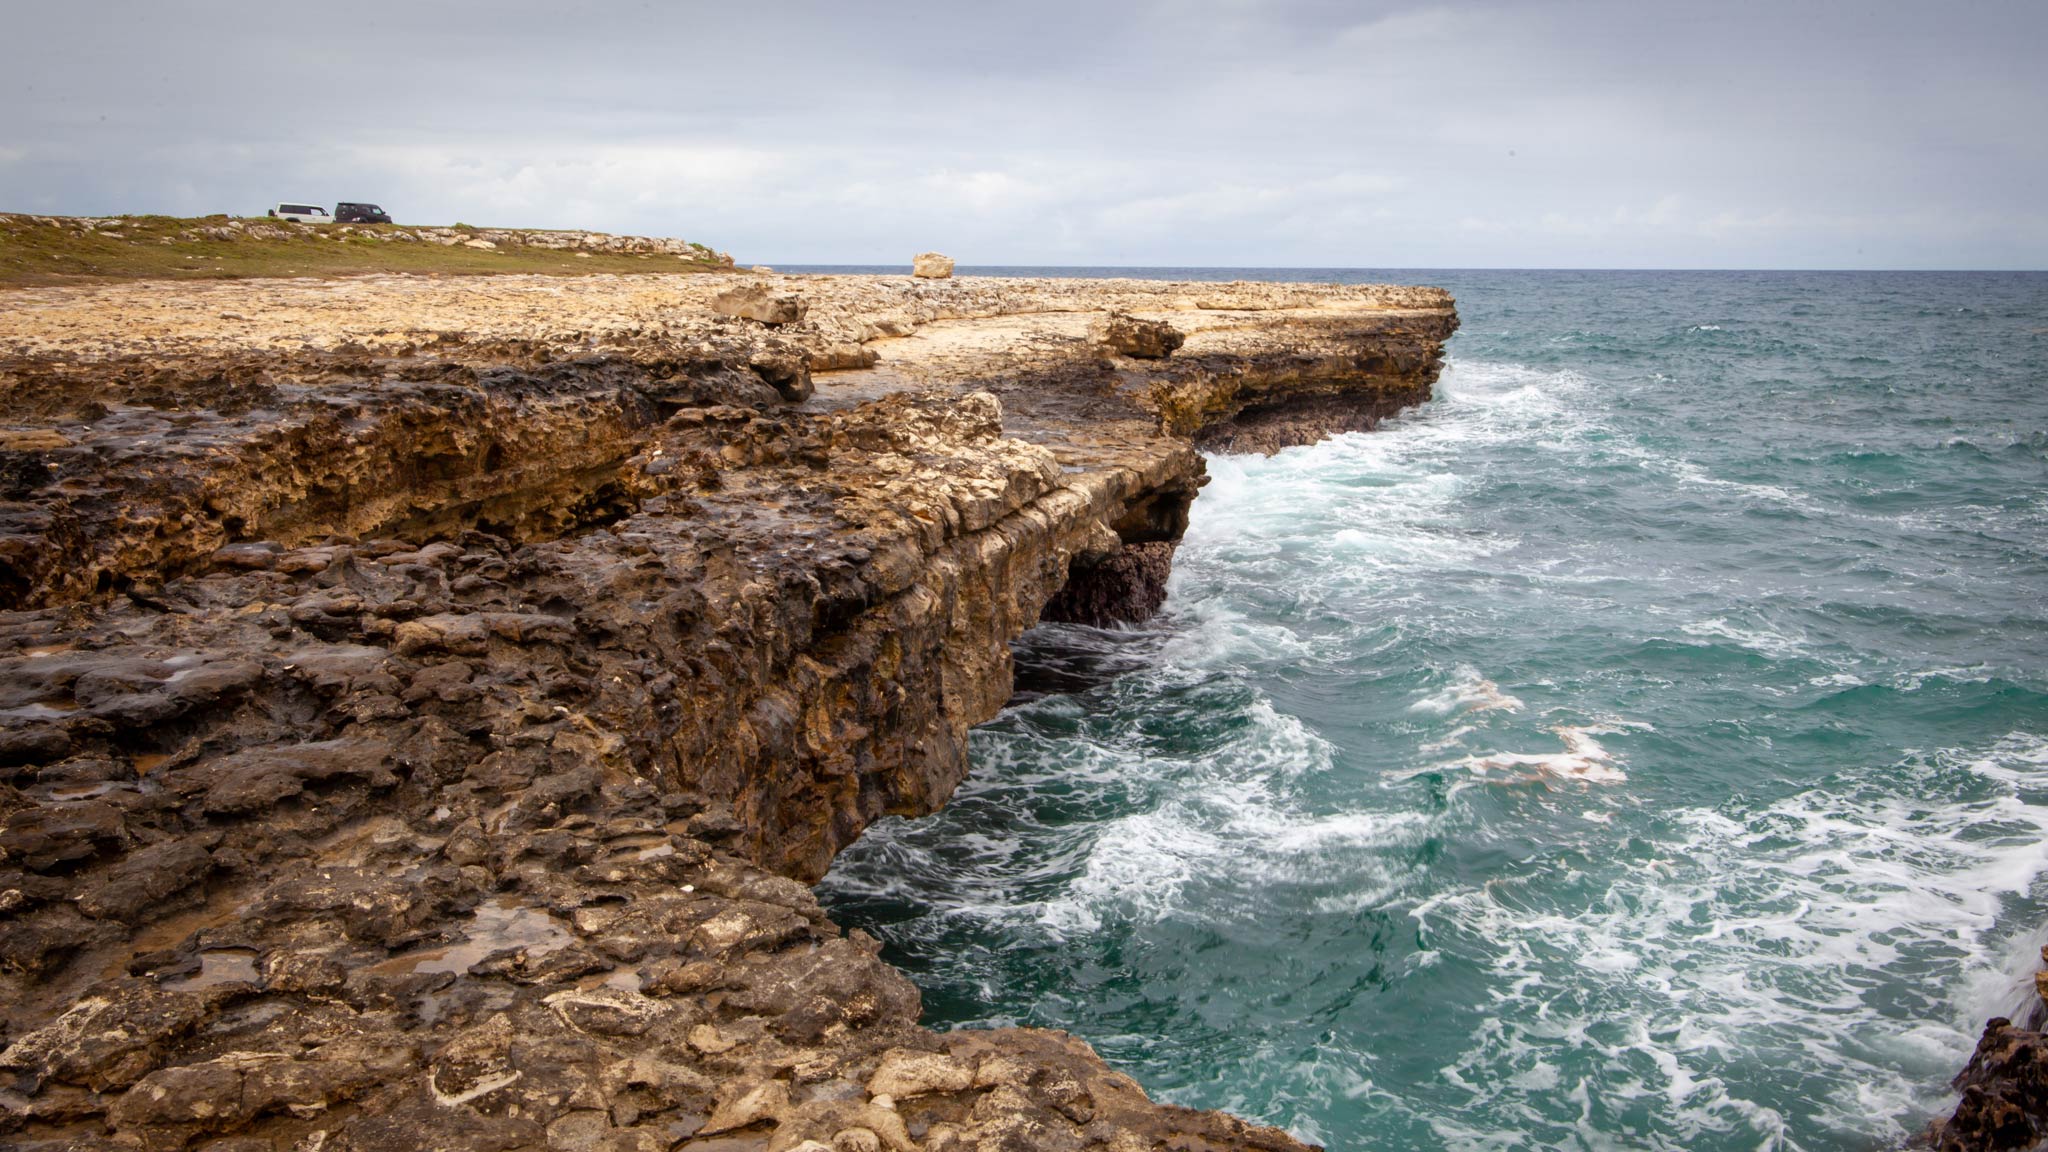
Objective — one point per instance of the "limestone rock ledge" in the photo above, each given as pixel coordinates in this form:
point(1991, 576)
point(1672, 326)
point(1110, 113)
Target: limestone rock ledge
point(422, 703)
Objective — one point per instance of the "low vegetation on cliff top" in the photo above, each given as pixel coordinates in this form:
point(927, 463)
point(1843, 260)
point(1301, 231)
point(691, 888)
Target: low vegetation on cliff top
point(40, 250)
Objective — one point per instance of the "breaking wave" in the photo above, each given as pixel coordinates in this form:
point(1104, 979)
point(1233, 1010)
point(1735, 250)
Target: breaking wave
point(1600, 756)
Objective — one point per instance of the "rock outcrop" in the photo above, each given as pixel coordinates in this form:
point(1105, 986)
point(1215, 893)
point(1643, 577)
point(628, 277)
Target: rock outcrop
point(2004, 1087)
point(931, 266)
point(1122, 583)
point(2004, 1094)
point(422, 703)
point(1128, 335)
point(757, 301)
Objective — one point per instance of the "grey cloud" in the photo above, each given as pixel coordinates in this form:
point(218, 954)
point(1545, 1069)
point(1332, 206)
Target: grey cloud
point(1198, 132)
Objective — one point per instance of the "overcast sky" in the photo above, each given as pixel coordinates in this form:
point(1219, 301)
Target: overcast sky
point(1198, 132)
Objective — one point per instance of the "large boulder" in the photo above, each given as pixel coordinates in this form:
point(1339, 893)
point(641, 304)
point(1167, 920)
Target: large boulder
point(1132, 336)
point(932, 266)
point(757, 301)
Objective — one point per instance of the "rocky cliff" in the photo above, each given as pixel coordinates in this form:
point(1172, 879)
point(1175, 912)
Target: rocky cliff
point(2004, 1087)
point(425, 701)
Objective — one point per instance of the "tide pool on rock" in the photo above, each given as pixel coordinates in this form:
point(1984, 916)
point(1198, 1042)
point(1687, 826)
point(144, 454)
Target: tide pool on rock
point(1644, 745)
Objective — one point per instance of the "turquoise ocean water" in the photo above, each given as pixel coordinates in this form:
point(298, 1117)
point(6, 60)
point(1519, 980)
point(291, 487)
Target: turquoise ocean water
point(1643, 745)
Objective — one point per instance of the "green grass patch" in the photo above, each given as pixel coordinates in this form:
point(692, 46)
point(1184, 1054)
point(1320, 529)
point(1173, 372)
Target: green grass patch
point(177, 248)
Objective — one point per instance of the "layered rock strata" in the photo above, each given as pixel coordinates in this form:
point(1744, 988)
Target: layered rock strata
point(423, 703)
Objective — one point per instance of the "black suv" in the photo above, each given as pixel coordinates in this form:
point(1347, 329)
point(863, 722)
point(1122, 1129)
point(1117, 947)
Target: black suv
point(360, 214)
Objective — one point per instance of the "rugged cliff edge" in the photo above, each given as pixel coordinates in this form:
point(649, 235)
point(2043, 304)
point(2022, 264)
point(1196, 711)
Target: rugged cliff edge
point(425, 701)
point(2004, 1087)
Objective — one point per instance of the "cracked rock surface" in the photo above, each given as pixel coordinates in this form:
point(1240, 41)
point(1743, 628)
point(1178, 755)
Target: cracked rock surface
point(424, 704)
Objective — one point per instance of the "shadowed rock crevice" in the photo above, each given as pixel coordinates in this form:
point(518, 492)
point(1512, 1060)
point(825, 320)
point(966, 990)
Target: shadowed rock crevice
point(1127, 586)
point(1271, 427)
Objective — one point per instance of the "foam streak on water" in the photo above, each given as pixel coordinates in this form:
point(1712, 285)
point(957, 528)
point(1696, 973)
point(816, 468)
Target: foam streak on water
point(1645, 745)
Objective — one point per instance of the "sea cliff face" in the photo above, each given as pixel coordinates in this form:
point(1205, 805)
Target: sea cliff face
point(426, 701)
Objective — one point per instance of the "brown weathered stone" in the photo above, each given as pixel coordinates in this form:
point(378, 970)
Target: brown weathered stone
point(758, 301)
point(1129, 335)
point(436, 733)
point(2004, 1094)
point(1126, 585)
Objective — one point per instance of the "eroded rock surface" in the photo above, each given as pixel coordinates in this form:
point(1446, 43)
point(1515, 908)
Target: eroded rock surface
point(2004, 1088)
point(756, 301)
point(423, 704)
point(1128, 335)
point(2004, 1094)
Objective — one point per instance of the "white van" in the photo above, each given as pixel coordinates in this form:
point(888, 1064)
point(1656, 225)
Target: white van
point(302, 213)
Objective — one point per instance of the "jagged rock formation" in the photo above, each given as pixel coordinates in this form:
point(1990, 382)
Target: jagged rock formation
point(2004, 1087)
point(1128, 335)
point(2005, 1094)
point(1121, 583)
point(422, 702)
point(754, 300)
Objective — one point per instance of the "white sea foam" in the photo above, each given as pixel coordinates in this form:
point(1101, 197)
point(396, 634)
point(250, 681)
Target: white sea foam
point(1268, 518)
point(1492, 400)
point(1964, 674)
point(1584, 758)
point(1757, 638)
point(1779, 973)
point(1454, 736)
point(1228, 823)
point(1213, 634)
point(1764, 938)
point(1690, 473)
point(1366, 511)
point(1470, 692)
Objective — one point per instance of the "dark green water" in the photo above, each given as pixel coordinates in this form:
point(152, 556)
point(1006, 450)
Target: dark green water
point(1644, 745)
